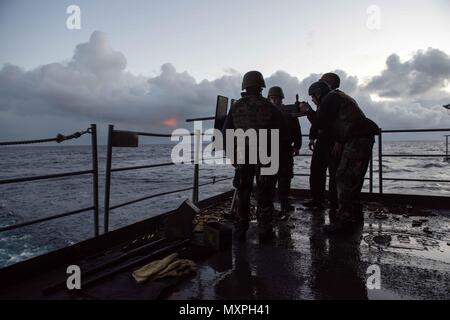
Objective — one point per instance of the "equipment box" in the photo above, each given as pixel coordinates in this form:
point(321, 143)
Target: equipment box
point(217, 235)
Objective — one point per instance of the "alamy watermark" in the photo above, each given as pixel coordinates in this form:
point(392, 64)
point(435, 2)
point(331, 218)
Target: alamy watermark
point(373, 282)
point(73, 22)
point(373, 22)
point(73, 281)
point(242, 147)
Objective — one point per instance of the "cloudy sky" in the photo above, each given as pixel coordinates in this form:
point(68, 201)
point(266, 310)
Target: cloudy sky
point(148, 65)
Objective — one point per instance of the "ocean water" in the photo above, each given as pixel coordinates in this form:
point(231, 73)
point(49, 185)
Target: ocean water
point(22, 202)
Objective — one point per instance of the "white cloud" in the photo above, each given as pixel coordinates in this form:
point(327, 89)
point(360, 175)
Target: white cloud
point(94, 86)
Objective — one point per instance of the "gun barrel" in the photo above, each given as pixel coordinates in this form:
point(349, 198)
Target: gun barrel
point(298, 115)
point(200, 119)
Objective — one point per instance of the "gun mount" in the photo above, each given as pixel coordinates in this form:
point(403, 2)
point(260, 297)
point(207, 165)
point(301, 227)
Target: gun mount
point(222, 111)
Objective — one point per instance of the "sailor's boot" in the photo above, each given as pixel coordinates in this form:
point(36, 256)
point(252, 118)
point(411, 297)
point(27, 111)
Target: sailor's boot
point(265, 233)
point(342, 224)
point(358, 214)
point(287, 207)
point(265, 226)
point(240, 233)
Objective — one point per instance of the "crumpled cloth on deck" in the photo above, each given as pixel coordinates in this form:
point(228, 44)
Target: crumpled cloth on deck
point(170, 266)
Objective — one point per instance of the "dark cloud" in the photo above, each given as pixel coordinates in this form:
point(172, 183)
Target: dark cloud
point(290, 84)
point(426, 71)
point(94, 87)
point(179, 94)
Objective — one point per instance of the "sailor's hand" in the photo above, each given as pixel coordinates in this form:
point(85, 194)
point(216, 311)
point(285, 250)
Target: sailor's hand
point(337, 150)
point(312, 145)
point(304, 107)
point(295, 152)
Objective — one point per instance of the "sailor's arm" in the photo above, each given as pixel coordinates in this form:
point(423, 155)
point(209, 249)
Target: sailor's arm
point(297, 134)
point(228, 124)
point(327, 113)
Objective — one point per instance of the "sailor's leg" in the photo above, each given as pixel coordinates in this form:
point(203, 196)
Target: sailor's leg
point(243, 182)
point(285, 175)
point(333, 165)
point(318, 175)
point(265, 205)
point(284, 188)
point(364, 146)
point(350, 177)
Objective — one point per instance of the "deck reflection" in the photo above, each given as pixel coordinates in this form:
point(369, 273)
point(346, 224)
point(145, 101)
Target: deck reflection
point(303, 263)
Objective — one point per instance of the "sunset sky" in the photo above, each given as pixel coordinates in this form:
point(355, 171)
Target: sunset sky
point(151, 64)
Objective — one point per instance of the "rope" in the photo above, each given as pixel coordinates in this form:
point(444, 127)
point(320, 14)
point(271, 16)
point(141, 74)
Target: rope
point(59, 138)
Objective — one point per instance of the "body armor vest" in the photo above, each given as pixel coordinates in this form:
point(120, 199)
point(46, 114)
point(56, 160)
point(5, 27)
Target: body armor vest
point(252, 112)
point(350, 120)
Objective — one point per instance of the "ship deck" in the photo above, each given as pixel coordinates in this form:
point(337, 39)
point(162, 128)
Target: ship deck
point(301, 262)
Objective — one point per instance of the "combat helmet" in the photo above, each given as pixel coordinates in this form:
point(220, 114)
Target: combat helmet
point(276, 91)
point(253, 79)
point(319, 87)
point(332, 79)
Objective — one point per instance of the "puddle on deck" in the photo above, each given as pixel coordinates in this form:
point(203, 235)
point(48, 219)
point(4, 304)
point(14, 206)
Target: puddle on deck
point(423, 247)
point(303, 263)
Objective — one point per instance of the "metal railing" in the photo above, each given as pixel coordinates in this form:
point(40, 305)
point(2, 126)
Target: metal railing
point(381, 178)
point(92, 130)
point(381, 156)
point(222, 105)
point(447, 156)
point(120, 138)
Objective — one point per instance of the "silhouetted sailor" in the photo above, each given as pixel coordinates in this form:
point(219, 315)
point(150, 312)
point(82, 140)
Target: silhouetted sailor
point(290, 144)
point(253, 111)
point(354, 134)
point(321, 145)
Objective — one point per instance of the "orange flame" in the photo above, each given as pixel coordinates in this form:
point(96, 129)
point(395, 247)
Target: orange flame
point(170, 122)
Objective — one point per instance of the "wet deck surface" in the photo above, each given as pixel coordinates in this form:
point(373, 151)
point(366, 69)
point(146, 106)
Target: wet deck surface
point(302, 262)
point(411, 247)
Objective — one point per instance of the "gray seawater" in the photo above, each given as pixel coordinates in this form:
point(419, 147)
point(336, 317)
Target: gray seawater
point(31, 200)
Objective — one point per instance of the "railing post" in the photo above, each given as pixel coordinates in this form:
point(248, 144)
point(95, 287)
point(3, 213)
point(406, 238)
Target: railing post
point(196, 165)
point(108, 176)
point(95, 177)
point(380, 161)
point(371, 173)
point(446, 148)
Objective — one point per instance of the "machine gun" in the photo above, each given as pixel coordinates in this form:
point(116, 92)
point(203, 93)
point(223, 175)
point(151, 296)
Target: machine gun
point(222, 111)
point(294, 109)
point(221, 114)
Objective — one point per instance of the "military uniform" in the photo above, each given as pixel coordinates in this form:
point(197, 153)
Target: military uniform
point(322, 160)
point(290, 139)
point(355, 132)
point(253, 112)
